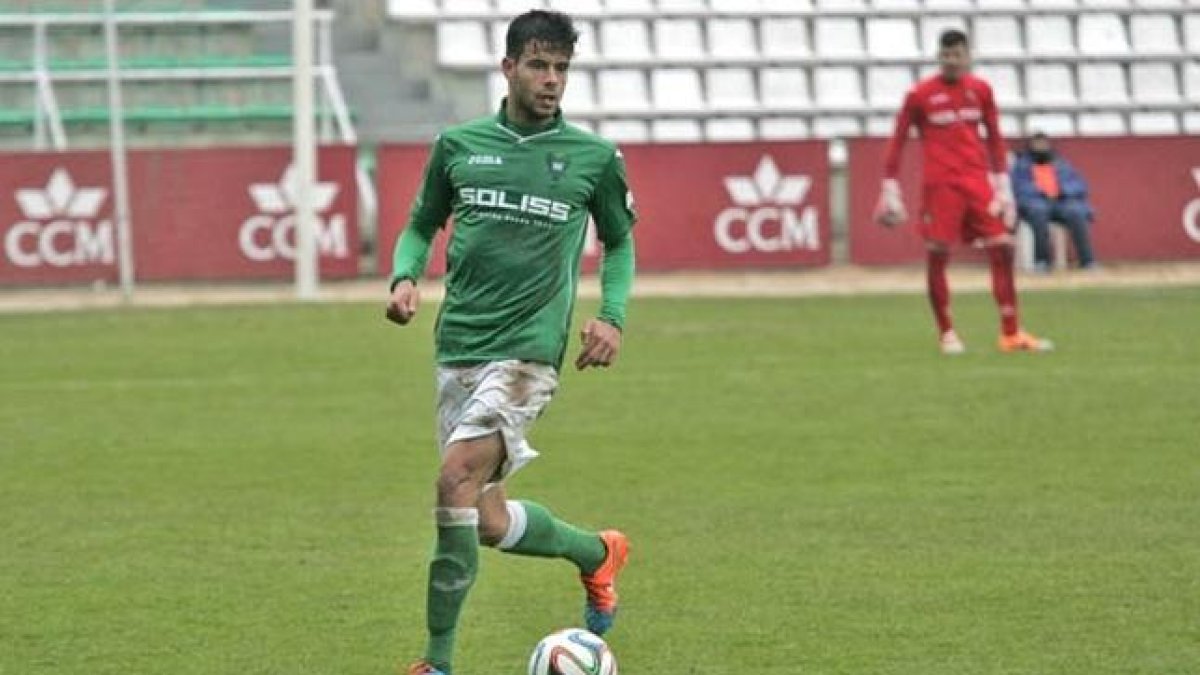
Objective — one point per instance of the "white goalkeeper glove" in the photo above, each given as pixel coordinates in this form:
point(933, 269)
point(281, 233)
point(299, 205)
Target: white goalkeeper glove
point(889, 211)
point(1003, 205)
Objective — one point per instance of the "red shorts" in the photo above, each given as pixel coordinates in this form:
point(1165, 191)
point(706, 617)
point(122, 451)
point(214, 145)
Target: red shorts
point(954, 212)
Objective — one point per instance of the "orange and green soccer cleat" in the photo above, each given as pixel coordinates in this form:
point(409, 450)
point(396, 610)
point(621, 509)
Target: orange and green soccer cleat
point(424, 667)
point(601, 585)
point(1024, 342)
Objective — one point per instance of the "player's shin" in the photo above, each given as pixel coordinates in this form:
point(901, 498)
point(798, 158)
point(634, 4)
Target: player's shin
point(939, 288)
point(1004, 287)
point(451, 574)
point(534, 531)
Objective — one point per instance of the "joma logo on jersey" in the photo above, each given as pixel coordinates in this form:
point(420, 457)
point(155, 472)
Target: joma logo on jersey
point(527, 204)
point(490, 160)
point(951, 116)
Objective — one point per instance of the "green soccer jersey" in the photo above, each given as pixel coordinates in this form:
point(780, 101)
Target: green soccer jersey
point(520, 199)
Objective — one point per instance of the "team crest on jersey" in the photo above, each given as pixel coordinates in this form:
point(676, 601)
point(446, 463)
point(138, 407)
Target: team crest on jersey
point(557, 165)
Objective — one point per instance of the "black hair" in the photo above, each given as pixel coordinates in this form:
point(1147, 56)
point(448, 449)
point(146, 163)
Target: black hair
point(552, 29)
point(1039, 136)
point(953, 38)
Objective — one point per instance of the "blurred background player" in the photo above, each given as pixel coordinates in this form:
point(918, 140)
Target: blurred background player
point(965, 197)
point(1048, 189)
point(520, 185)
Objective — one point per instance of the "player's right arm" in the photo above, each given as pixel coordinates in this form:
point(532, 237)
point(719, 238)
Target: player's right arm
point(890, 211)
point(430, 210)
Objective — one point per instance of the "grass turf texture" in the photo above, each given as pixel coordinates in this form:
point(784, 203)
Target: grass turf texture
point(809, 488)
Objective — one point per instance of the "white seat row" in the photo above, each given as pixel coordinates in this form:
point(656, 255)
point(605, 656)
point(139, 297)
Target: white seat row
point(1041, 86)
point(471, 43)
point(426, 10)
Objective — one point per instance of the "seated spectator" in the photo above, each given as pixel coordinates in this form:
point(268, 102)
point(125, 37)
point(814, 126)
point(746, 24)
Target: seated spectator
point(1048, 189)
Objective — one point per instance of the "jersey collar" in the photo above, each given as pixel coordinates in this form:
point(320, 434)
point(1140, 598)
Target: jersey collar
point(523, 134)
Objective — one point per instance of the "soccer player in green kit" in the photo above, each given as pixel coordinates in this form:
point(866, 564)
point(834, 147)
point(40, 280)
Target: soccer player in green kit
point(520, 185)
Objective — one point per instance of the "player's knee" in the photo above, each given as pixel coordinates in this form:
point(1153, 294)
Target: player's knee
point(458, 485)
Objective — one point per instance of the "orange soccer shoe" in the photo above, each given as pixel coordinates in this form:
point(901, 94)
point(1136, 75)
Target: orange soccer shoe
point(423, 667)
point(1024, 342)
point(601, 585)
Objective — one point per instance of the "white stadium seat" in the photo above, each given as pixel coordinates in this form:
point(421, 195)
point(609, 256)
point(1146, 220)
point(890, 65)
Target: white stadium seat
point(625, 41)
point(730, 89)
point(587, 48)
point(932, 28)
point(479, 8)
point(463, 43)
point(676, 131)
point(1049, 84)
point(623, 90)
point(838, 37)
point(949, 4)
point(1154, 83)
point(1102, 84)
point(839, 88)
point(1157, 4)
point(1102, 35)
point(585, 125)
point(679, 39)
point(785, 38)
point(782, 128)
point(412, 9)
point(841, 5)
point(785, 6)
point(880, 126)
point(1154, 123)
point(577, 7)
point(677, 90)
point(887, 85)
point(1101, 124)
point(625, 131)
point(1191, 123)
point(497, 89)
point(1006, 83)
point(1052, 4)
point(629, 6)
point(729, 129)
point(827, 126)
point(1191, 32)
point(499, 35)
point(580, 95)
point(1053, 124)
point(889, 39)
point(1154, 34)
point(682, 6)
point(998, 36)
point(1107, 4)
point(1010, 126)
point(511, 8)
point(784, 89)
point(1049, 36)
point(896, 5)
point(731, 40)
point(1191, 81)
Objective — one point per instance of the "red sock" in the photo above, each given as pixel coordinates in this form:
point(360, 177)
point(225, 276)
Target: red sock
point(1003, 287)
point(939, 289)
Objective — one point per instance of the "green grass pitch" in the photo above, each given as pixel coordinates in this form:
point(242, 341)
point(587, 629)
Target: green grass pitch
point(809, 488)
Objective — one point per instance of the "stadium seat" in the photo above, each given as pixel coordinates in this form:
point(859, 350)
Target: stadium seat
point(782, 128)
point(625, 41)
point(1154, 124)
point(840, 5)
point(784, 38)
point(586, 125)
point(896, 5)
point(1053, 124)
point(412, 9)
point(1010, 126)
point(679, 40)
point(587, 48)
point(998, 36)
point(580, 94)
point(731, 40)
point(498, 89)
point(836, 126)
point(784, 89)
point(1106, 4)
point(629, 6)
point(676, 131)
point(623, 90)
point(1191, 81)
point(1101, 124)
point(510, 8)
point(962, 5)
point(1102, 35)
point(729, 129)
point(839, 88)
point(784, 6)
point(499, 43)
point(887, 86)
point(1191, 123)
point(682, 6)
point(1160, 4)
point(478, 8)
point(892, 39)
point(730, 89)
point(463, 43)
point(577, 7)
point(1154, 34)
point(881, 127)
point(838, 37)
point(1102, 84)
point(933, 26)
point(1006, 84)
point(625, 131)
point(1052, 4)
point(1191, 32)
point(1155, 83)
point(677, 90)
point(1049, 36)
point(1049, 84)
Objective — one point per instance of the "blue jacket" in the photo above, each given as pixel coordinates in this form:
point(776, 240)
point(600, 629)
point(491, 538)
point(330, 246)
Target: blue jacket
point(1071, 184)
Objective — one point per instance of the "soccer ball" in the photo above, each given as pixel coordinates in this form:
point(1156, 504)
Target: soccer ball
point(572, 652)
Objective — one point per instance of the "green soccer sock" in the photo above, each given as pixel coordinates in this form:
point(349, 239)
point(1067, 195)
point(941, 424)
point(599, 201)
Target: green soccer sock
point(451, 573)
point(548, 537)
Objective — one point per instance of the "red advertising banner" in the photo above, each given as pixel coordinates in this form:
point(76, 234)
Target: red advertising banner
point(1146, 192)
point(702, 206)
point(204, 214)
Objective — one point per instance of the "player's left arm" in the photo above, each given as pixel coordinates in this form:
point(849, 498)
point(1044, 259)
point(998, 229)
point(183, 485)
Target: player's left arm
point(612, 209)
point(1003, 205)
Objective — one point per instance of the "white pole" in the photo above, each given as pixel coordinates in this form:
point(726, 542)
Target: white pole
point(304, 150)
point(120, 179)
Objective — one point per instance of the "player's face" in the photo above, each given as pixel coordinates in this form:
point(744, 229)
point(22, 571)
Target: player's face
point(954, 62)
point(536, 81)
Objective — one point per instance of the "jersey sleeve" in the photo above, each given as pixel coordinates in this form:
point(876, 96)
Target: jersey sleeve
point(430, 210)
point(909, 112)
point(991, 122)
point(613, 210)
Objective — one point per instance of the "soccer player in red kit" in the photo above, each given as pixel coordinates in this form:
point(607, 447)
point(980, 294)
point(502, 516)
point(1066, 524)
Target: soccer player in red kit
point(966, 197)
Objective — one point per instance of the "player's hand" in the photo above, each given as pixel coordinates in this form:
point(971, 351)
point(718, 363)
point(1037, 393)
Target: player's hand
point(1003, 205)
point(601, 342)
point(402, 306)
point(890, 211)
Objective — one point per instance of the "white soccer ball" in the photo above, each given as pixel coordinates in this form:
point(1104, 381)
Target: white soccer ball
point(573, 651)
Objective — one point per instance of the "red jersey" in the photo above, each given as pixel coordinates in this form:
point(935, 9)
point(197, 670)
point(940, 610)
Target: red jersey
point(947, 116)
